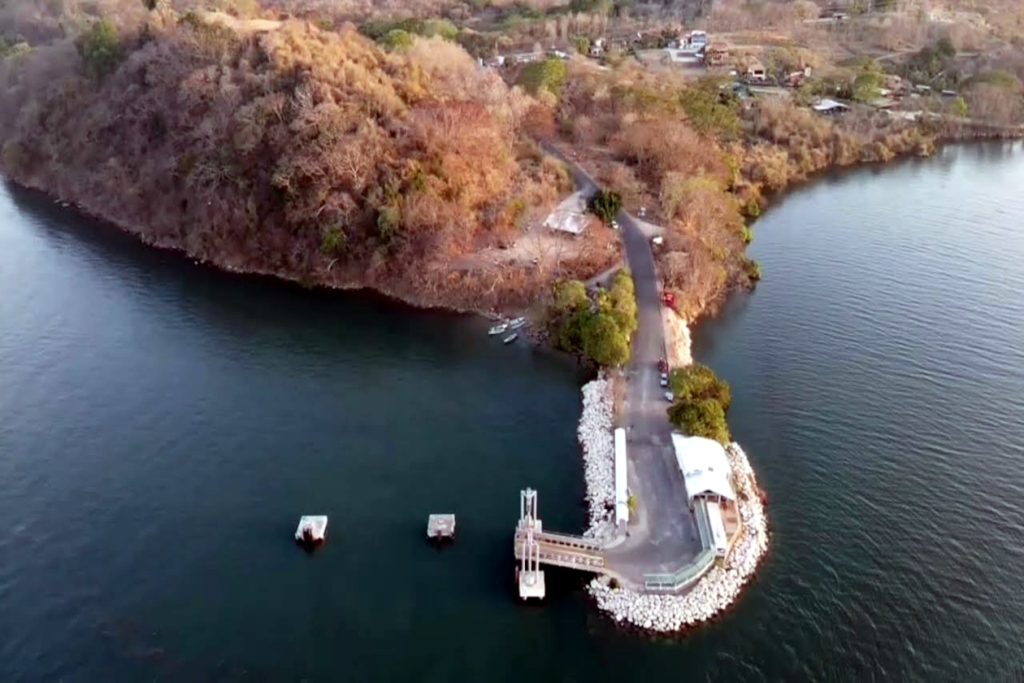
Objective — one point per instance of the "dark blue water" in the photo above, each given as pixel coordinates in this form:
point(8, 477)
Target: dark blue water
point(878, 374)
point(163, 425)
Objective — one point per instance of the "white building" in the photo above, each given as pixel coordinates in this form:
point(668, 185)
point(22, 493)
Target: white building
point(705, 468)
point(707, 475)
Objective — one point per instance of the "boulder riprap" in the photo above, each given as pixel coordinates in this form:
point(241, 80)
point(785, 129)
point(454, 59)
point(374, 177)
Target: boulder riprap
point(718, 588)
point(595, 434)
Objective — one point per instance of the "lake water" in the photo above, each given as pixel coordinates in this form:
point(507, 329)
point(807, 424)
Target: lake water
point(163, 425)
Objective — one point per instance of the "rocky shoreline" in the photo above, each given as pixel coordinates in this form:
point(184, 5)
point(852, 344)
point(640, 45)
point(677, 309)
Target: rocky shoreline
point(598, 444)
point(720, 587)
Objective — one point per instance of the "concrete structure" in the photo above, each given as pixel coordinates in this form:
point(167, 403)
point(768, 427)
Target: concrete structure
point(441, 526)
point(529, 575)
point(312, 529)
point(534, 546)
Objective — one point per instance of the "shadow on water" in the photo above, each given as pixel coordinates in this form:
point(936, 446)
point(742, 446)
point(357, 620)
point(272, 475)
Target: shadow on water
point(266, 307)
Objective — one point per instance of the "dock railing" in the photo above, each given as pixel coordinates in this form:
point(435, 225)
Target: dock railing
point(689, 574)
point(684, 578)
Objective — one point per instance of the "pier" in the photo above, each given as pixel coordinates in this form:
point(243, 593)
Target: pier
point(534, 547)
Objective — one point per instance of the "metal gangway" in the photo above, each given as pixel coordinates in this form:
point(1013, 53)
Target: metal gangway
point(534, 546)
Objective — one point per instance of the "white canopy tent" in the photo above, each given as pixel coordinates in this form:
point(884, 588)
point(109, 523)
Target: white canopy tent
point(704, 465)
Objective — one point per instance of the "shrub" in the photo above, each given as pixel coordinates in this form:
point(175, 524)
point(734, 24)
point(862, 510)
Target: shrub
point(753, 269)
point(389, 220)
point(334, 242)
point(396, 39)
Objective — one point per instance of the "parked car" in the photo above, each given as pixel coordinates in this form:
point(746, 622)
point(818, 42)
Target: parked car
point(669, 396)
point(662, 365)
point(615, 225)
point(664, 379)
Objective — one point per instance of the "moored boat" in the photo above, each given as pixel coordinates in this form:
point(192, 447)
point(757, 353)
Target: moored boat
point(516, 323)
point(497, 329)
point(511, 338)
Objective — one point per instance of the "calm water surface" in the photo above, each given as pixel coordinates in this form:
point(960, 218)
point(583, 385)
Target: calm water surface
point(162, 426)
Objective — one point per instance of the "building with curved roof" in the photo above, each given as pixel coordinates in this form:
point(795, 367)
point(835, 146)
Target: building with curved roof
point(705, 468)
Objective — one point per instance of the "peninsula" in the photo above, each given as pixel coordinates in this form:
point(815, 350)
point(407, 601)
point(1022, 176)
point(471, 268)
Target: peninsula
point(596, 166)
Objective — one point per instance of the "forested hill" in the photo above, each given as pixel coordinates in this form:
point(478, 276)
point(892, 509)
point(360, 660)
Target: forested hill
point(278, 147)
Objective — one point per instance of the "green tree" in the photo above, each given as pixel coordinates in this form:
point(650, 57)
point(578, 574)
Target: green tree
point(603, 341)
point(710, 109)
point(622, 298)
point(582, 45)
point(396, 39)
point(606, 205)
point(699, 382)
point(704, 417)
point(570, 296)
point(100, 48)
point(867, 85)
point(439, 27)
point(546, 76)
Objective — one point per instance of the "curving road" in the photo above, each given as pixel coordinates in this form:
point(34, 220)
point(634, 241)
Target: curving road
point(662, 531)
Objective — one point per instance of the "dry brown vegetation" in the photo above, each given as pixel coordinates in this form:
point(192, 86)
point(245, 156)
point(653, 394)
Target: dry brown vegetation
point(704, 164)
point(305, 153)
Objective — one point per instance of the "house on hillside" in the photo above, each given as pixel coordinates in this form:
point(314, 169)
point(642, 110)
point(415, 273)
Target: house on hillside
point(755, 72)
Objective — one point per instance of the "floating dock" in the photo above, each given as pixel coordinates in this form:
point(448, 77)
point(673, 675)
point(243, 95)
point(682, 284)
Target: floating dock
point(312, 529)
point(441, 527)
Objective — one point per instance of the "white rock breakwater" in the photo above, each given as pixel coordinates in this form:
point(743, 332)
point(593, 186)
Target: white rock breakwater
point(718, 588)
point(595, 434)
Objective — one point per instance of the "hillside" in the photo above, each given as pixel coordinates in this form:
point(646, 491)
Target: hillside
point(277, 147)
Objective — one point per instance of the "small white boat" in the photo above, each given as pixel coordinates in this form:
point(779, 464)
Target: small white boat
point(516, 323)
point(497, 329)
point(510, 338)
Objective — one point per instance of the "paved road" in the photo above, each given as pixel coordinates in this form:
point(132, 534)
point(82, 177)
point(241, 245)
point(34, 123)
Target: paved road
point(663, 533)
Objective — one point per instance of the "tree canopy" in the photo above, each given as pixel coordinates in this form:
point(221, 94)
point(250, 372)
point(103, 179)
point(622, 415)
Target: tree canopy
point(100, 48)
point(597, 327)
point(606, 205)
point(546, 76)
point(711, 110)
point(701, 402)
